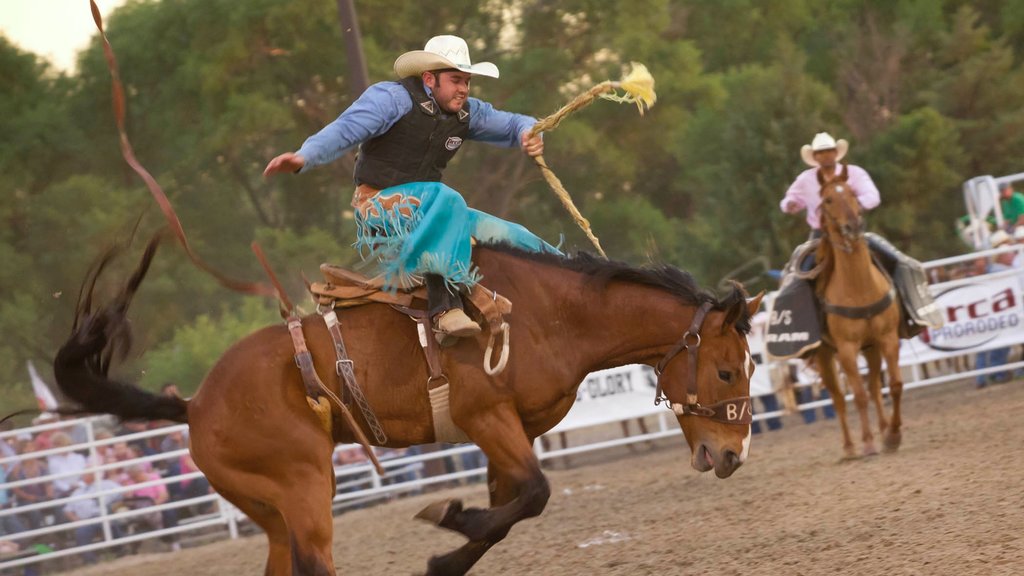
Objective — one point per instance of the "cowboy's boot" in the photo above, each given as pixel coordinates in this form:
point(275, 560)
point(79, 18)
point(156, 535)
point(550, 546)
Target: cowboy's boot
point(445, 307)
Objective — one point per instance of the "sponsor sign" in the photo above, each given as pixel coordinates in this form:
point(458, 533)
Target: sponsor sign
point(612, 395)
point(982, 315)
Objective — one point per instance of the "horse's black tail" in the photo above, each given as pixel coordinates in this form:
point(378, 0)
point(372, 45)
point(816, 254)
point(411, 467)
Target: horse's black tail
point(101, 336)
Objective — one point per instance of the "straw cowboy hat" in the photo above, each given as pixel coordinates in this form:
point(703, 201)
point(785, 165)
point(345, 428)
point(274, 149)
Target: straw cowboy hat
point(439, 53)
point(998, 238)
point(823, 141)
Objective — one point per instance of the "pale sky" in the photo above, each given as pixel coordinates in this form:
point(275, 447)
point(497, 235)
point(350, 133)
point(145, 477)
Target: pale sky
point(53, 29)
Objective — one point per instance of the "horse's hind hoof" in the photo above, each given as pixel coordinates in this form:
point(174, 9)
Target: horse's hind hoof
point(436, 512)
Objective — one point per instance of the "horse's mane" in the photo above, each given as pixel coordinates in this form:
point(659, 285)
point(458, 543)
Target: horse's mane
point(601, 271)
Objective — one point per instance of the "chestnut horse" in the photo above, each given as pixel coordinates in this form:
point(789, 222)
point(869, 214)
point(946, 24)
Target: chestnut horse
point(861, 315)
point(254, 436)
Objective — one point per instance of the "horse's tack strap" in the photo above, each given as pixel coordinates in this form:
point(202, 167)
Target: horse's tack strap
point(690, 342)
point(303, 359)
point(861, 312)
point(314, 386)
point(345, 369)
point(431, 350)
point(438, 389)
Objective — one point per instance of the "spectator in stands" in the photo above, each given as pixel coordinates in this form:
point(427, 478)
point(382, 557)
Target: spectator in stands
point(89, 508)
point(1018, 238)
point(1012, 204)
point(998, 357)
point(106, 451)
point(67, 462)
point(9, 524)
point(28, 469)
point(143, 497)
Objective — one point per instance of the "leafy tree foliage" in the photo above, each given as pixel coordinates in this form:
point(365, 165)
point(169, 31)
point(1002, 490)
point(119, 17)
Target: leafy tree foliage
point(928, 93)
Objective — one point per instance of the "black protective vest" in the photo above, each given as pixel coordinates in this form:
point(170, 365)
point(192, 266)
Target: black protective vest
point(417, 148)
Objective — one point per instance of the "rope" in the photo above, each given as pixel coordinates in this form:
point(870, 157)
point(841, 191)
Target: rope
point(639, 89)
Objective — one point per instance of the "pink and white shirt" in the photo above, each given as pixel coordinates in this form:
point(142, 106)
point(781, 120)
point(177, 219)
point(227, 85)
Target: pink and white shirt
point(805, 192)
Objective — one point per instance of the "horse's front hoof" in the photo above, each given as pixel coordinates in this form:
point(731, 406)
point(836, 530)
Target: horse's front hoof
point(892, 442)
point(870, 450)
point(436, 512)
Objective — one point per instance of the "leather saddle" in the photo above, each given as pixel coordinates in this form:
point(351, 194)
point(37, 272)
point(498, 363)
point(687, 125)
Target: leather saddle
point(344, 288)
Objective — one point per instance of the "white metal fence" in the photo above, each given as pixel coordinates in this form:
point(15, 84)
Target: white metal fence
point(43, 534)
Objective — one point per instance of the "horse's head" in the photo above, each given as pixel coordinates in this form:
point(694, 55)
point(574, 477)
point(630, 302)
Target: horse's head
point(712, 403)
point(840, 210)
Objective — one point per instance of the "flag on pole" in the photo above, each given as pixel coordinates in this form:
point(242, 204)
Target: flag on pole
point(44, 397)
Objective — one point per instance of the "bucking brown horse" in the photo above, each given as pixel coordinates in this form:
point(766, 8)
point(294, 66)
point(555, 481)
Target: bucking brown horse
point(261, 447)
point(862, 315)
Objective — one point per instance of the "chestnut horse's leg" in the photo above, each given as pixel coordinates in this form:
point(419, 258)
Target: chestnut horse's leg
point(891, 352)
point(827, 369)
point(873, 355)
point(519, 490)
point(279, 553)
point(847, 353)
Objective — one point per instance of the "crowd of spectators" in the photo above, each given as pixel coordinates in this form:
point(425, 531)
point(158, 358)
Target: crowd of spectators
point(109, 468)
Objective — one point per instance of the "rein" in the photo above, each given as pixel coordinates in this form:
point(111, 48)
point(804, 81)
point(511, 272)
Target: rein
point(118, 97)
point(732, 411)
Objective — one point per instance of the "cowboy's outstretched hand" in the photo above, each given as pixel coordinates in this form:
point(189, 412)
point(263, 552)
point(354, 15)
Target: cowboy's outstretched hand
point(288, 162)
point(534, 146)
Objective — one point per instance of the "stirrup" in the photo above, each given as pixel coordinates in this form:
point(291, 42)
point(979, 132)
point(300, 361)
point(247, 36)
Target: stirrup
point(454, 323)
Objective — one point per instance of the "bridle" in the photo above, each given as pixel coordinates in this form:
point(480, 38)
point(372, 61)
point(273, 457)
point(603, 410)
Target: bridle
point(848, 235)
point(732, 411)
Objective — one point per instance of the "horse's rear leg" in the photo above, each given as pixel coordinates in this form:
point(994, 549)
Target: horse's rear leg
point(519, 490)
point(873, 355)
point(847, 354)
point(279, 554)
point(893, 436)
point(827, 369)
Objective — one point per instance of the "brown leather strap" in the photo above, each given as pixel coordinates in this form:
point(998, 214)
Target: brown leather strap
point(345, 368)
point(691, 342)
point(431, 349)
point(314, 386)
point(128, 153)
point(861, 312)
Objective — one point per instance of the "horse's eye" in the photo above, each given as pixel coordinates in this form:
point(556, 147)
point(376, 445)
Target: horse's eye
point(828, 200)
point(725, 376)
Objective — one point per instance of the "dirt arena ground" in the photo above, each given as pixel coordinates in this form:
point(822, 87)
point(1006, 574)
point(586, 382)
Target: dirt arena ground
point(950, 502)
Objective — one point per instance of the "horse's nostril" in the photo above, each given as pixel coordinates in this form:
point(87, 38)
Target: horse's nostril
point(732, 459)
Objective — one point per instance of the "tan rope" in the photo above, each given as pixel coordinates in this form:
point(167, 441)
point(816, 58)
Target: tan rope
point(639, 87)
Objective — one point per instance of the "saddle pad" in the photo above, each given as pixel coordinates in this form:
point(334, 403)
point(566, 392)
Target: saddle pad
point(794, 325)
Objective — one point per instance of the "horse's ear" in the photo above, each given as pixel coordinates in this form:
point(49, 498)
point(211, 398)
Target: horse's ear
point(843, 174)
point(821, 177)
point(754, 303)
point(733, 313)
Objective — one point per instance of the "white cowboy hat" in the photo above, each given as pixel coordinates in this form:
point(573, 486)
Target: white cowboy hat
point(442, 52)
point(823, 141)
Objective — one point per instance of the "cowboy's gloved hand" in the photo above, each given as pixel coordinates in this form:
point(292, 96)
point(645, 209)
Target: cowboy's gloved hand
point(287, 162)
point(534, 146)
point(792, 207)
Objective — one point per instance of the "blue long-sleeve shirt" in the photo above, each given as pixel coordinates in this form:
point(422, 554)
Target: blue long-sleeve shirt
point(383, 104)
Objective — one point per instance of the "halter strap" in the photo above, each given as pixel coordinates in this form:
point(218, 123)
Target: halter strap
point(690, 342)
point(731, 411)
